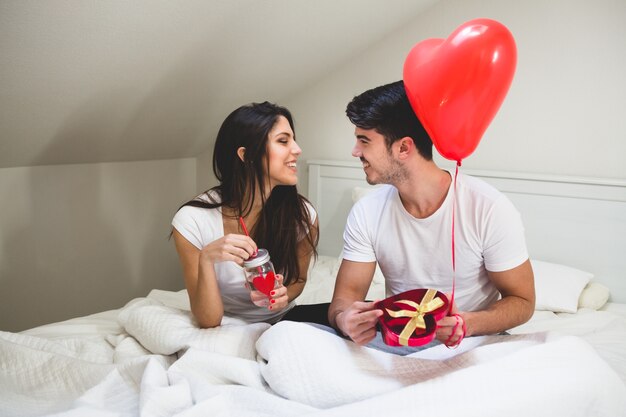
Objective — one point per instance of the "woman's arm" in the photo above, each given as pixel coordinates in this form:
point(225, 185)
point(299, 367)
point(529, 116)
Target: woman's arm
point(304, 253)
point(200, 279)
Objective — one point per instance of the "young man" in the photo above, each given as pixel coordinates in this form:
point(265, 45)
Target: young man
point(406, 227)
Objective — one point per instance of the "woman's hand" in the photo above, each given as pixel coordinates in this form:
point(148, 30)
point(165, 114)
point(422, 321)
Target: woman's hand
point(232, 247)
point(278, 296)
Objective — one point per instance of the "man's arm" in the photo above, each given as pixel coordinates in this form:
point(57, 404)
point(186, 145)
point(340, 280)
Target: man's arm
point(517, 287)
point(348, 313)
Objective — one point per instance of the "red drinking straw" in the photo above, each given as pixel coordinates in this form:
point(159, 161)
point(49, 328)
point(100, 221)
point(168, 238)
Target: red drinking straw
point(245, 230)
point(243, 226)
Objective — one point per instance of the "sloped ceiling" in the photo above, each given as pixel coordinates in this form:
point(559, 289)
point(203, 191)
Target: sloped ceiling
point(88, 81)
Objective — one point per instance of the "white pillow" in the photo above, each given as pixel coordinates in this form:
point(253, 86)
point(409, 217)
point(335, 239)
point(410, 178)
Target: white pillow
point(558, 287)
point(594, 296)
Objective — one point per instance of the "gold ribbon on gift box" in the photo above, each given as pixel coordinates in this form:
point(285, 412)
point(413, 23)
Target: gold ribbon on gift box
point(429, 303)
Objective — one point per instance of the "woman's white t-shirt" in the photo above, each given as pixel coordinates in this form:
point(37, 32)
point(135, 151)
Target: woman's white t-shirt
point(201, 226)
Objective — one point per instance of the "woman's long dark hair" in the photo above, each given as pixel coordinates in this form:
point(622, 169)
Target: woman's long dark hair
point(284, 219)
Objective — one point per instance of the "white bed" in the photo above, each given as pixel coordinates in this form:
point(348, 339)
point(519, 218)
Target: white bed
point(149, 359)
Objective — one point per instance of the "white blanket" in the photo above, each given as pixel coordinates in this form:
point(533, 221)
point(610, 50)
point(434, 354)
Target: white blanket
point(161, 364)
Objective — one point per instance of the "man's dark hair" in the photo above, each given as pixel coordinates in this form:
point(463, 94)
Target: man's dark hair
point(387, 110)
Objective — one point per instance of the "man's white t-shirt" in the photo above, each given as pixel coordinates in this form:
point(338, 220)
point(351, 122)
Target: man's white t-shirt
point(201, 226)
point(417, 253)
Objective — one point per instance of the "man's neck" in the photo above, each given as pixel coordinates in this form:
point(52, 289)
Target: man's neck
point(425, 190)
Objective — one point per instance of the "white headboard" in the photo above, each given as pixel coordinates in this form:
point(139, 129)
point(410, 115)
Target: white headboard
point(579, 222)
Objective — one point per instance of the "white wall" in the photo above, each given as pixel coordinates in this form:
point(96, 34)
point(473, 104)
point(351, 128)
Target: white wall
point(79, 239)
point(564, 113)
point(205, 178)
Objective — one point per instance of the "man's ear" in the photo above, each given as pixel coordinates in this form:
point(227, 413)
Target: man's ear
point(241, 152)
point(406, 147)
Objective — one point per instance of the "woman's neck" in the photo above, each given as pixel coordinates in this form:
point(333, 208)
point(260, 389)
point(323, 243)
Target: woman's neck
point(250, 209)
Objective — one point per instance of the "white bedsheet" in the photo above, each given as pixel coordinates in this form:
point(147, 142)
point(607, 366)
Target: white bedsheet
point(605, 331)
point(157, 363)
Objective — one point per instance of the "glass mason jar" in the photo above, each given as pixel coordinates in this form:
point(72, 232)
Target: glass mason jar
point(261, 277)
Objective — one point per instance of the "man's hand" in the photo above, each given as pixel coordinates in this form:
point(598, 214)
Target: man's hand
point(451, 329)
point(358, 322)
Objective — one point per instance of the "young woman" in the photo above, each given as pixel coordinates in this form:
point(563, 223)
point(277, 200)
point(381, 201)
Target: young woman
point(255, 160)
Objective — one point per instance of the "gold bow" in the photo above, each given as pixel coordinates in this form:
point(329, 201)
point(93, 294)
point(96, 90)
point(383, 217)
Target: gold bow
point(428, 304)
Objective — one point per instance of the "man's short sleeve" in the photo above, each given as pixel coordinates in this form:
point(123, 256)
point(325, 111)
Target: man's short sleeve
point(504, 244)
point(358, 245)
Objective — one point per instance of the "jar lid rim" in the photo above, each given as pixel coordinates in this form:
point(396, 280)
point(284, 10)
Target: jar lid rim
point(261, 257)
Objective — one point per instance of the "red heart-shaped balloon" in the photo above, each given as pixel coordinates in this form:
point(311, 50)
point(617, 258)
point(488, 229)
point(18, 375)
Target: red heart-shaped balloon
point(264, 284)
point(456, 85)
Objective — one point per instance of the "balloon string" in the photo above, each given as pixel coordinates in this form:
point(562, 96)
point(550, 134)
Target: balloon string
point(456, 173)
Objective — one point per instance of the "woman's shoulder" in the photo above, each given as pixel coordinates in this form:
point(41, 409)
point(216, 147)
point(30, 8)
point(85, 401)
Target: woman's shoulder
point(210, 196)
point(199, 225)
point(194, 209)
point(310, 209)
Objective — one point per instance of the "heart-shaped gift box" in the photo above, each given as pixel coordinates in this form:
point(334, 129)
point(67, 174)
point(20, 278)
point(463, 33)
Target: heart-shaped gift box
point(410, 318)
